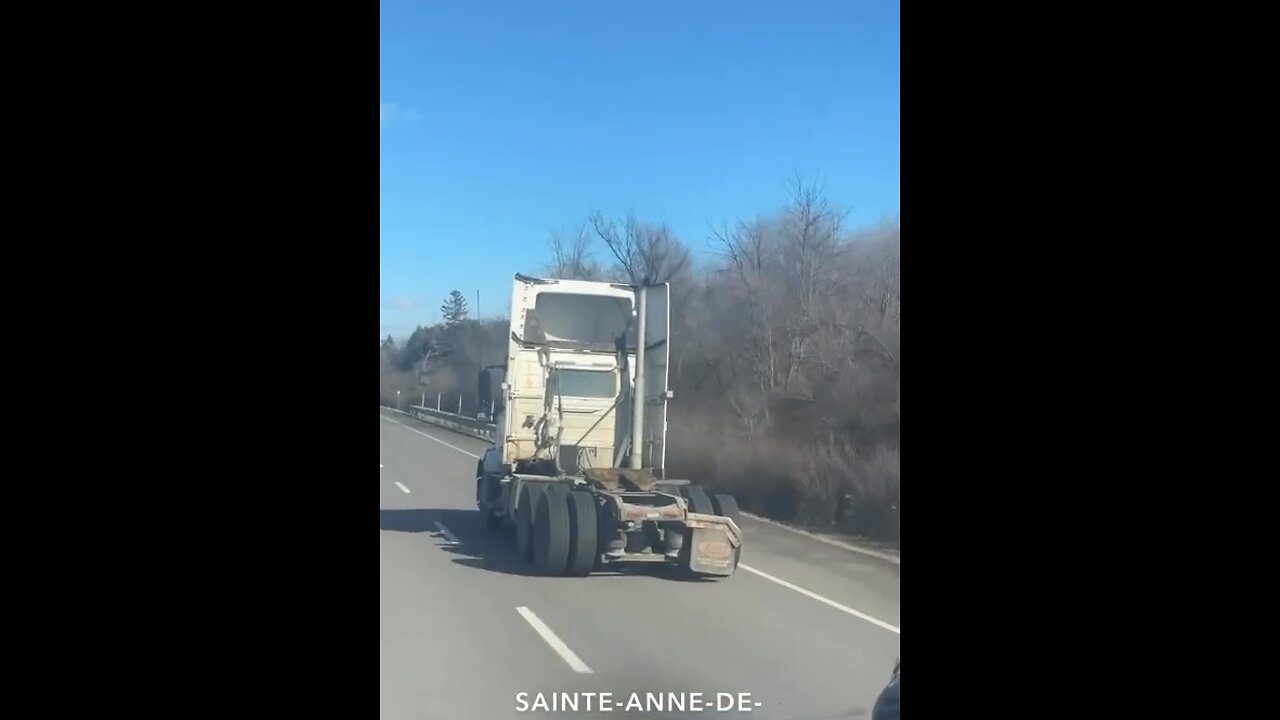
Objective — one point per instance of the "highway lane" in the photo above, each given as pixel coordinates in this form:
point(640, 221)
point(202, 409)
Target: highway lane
point(463, 630)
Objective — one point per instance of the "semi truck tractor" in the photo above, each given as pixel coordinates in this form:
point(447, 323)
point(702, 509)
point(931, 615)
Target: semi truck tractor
point(577, 464)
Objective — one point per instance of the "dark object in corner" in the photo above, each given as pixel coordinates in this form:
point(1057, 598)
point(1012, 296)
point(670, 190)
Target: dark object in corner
point(887, 706)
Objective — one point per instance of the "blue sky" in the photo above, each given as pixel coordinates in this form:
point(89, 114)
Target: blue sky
point(501, 120)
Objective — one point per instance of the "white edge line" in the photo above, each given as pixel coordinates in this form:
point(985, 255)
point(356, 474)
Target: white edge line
point(433, 439)
point(556, 643)
point(824, 600)
point(445, 531)
point(896, 560)
point(402, 487)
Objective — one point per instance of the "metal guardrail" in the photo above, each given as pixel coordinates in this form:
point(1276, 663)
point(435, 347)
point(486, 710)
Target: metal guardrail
point(455, 422)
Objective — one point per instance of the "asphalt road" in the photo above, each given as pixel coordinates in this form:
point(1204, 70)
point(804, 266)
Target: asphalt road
point(810, 631)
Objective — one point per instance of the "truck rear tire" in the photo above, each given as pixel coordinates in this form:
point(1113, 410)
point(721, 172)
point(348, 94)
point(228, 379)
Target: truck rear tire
point(727, 506)
point(551, 531)
point(583, 535)
point(484, 501)
point(492, 521)
point(698, 500)
point(530, 498)
point(703, 504)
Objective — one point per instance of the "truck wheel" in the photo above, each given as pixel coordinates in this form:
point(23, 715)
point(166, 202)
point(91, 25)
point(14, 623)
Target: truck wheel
point(727, 506)
point(698, 501)
point(551, 531)
point(583, 535)
point(701, 503)
point(483, 491)
point(683, 569)
point(530, 497)
point(492, 520)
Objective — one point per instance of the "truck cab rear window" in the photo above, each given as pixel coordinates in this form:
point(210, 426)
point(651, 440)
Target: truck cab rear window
point(583, 383)
point(586, 319)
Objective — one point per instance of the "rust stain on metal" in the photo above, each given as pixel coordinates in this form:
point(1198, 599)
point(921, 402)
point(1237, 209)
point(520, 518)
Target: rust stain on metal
point(613, 479)
point(651, 512)
point(717, 549)
point(713, 525)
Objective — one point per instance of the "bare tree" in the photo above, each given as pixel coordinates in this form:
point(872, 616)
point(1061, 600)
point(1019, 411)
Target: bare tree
point(811, 246)
point(643, 251)
point(786, 353)
point(750, 255)
point(571, 257)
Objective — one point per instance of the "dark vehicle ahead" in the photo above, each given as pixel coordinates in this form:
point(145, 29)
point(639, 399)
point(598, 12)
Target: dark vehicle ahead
point(887, 707)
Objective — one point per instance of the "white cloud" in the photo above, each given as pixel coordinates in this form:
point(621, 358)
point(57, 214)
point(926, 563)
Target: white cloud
point(399, 302)
point(389, 113)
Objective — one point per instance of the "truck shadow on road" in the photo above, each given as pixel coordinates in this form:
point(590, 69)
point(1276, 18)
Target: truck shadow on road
point(477, 546)
point(483, 548)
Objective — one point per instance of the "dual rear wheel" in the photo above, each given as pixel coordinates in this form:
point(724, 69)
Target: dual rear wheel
point(705, 504)
point(557, 528)
point(562, 538)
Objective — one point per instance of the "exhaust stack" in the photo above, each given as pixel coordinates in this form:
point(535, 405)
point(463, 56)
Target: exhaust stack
point(637, 393)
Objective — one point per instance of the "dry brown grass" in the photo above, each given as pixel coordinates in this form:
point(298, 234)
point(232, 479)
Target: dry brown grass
point(822, 484)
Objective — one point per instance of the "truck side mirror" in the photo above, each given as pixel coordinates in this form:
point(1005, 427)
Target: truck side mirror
point(484, 389)
point(483, 394)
